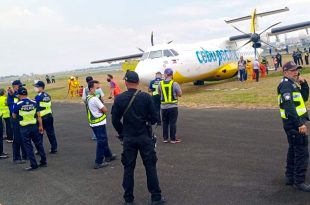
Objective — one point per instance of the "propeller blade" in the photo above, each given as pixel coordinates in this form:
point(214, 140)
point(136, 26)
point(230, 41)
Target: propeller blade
point(245, 44)
point(140, 50)
point(152, 39)
point(268, 44)
point(239, 30)
point(270, 27)
point(170, 42)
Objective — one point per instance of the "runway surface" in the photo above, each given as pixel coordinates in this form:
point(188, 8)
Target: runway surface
point(226, 157)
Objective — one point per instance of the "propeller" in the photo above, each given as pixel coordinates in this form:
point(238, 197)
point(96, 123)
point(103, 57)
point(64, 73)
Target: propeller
point(140, 50)
point(152, 39)
point(152, 42)
point(255, 38)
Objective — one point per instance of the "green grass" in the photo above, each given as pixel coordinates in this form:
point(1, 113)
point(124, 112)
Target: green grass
point(227, 93)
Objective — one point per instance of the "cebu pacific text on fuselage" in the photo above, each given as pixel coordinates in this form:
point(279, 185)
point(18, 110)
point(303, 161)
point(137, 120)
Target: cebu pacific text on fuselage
point(205, 56)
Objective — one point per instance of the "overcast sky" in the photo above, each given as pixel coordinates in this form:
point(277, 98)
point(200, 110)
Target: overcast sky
point(43, 36)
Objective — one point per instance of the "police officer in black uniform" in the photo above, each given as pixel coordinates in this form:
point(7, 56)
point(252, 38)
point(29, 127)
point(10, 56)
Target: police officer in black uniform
point(294, 115)
point(136, 136)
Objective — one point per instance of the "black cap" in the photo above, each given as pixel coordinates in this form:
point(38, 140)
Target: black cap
point(39, 84)
point(18, 82)
point(22, 91)
point(291, 66)
point(132, 77)
point(89, 78)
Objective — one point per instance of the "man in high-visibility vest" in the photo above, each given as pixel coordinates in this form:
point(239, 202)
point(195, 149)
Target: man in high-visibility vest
point(169, 91)
point(44, 102)
point(100, 95)
point(27, 114)
point(153, 88)
point(18, 145)
point(96, 114)
point(3, 155)
point(4, 108)
point(294, 115)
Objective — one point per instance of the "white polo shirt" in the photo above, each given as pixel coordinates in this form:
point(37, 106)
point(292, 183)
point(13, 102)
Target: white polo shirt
point(95, 105)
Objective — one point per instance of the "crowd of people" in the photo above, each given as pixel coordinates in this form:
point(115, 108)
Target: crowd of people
point(134, 113)
point(248, 70)
point(26, 121)
point(298, 56)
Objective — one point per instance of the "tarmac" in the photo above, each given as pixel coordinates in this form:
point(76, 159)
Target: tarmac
point(227, 156)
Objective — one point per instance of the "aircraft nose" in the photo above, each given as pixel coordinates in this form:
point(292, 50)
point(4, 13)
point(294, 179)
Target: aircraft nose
point(143, 74)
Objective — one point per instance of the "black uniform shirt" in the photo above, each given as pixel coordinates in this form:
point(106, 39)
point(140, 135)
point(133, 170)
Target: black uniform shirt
point(286, 89)
point(141, 111)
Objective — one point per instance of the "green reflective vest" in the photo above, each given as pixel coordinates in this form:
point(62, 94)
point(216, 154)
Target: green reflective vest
point(299, 104)
point(46, 108)
point(4, 108)
point(91, 118)
point(28, 117)
point(155, 88)
point(167, 92)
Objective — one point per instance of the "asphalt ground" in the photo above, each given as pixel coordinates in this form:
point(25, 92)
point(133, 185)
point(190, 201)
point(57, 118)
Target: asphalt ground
point(226, 157)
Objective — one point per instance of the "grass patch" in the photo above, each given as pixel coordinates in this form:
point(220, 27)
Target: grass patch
point(227, 93)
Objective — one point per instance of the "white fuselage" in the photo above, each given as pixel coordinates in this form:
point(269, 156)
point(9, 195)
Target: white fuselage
point(209, 60)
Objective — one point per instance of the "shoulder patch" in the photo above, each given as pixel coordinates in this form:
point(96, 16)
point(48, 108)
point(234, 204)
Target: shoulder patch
point(287, 96)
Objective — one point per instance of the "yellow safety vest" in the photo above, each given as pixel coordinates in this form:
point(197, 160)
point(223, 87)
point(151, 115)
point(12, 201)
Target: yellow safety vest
point(46, 108)
point(155, 87)
point(91, 118)
point(167, 92)
point(29, 117)
point(4, 108)
point(16, 100)
point(299, 104)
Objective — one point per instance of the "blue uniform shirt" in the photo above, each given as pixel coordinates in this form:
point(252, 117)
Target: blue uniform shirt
point(25, 104)
point(42, 97)
point(10, 101)
point(155, 81)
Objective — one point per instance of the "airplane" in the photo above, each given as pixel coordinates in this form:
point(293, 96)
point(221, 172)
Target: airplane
point(209, 60)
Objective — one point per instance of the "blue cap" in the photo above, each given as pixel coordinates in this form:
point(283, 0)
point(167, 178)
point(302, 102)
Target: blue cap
point(18, 82)
point(22, 91)
point(40, 84)
point(168, 71)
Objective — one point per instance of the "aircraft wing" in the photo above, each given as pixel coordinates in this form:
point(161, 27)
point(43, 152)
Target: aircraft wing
point(290, 28)
point(109, 60)
point(240, 37)
point(258, 14)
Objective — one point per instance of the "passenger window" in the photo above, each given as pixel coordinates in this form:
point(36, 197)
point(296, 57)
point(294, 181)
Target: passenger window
point(155, 54)
point(167, 53)
point(144, 56)
point(174, 52)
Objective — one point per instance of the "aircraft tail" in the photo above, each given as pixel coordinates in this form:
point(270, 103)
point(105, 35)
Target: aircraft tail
point(267, 13)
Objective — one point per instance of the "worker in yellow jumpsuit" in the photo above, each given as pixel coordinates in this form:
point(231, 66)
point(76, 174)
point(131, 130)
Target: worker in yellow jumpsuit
point(77, 86)
point(249, 69)
point(72, 87)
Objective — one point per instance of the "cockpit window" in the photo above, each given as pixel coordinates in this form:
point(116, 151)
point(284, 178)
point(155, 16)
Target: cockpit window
point(155, 54)
point(167, 53)
point(144, 56)
point(174, 52)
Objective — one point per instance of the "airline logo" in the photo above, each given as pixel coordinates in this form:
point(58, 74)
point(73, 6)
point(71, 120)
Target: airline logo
point(220, 56)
